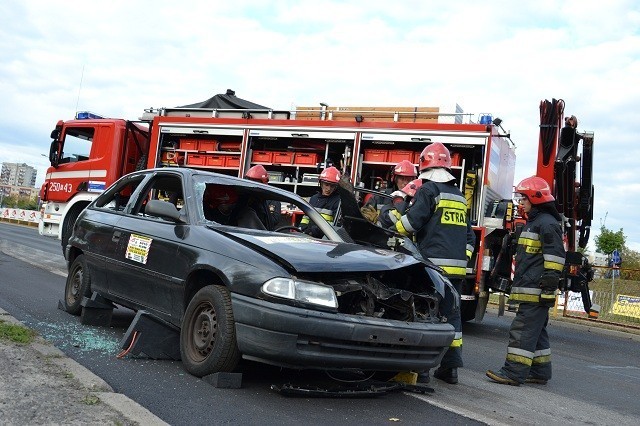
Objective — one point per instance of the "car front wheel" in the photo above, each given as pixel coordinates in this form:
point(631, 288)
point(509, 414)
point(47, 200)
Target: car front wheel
point(78, 286)
point(207, 336)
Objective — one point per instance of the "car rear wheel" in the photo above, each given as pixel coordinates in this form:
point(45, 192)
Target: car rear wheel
point(208, 335)
point(78, 286)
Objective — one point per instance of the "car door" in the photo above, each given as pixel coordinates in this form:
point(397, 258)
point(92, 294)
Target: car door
point(96, 225)
point(149, 269)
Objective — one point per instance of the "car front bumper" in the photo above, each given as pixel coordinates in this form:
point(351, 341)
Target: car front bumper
point(303, 338)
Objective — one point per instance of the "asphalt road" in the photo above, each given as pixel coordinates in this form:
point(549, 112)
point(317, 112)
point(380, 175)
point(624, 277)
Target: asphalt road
point(596, 373)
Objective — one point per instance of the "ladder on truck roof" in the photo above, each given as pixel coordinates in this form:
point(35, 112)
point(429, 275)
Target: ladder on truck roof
point(359, 114)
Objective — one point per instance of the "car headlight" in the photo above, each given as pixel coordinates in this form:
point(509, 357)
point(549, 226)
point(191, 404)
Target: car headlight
point(303, 291)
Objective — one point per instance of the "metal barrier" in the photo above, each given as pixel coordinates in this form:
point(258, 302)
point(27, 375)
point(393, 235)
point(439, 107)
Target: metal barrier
point(616, 290)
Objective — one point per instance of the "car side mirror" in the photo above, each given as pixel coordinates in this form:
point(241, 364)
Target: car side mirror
point(164, 210)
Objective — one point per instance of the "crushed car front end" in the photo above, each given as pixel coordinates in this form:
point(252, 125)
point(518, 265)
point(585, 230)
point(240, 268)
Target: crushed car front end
point(299, 337)
point(381, 314)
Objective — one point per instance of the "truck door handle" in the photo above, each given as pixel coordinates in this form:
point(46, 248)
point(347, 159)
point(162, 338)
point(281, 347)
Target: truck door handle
point(116, 236)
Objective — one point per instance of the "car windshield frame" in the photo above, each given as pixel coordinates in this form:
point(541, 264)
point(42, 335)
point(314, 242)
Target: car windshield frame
point(248, 188)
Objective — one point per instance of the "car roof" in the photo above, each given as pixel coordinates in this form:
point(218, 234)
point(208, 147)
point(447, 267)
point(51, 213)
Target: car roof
point(223, 180)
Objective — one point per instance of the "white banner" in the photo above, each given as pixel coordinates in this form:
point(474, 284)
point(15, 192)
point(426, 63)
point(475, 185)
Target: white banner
point(574, 304)
point(20, 214)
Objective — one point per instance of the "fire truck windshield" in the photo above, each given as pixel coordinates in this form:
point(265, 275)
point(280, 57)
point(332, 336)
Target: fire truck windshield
point(77, 144)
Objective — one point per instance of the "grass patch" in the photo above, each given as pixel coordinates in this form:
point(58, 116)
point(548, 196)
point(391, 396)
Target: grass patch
point(90, 399)
point(16, 333)
point(620, 286)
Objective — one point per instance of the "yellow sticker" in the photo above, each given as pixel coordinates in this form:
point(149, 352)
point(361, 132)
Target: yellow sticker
point(138, 248)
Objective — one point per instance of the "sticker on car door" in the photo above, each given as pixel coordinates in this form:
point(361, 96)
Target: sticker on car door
point(138, 248)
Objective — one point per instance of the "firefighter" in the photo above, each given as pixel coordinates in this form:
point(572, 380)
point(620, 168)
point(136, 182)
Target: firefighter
point(268, 211)
point(403, 173)
point(326, 201)
point(438, 219)
point(540, 256)
point(402, 200)
point(219, 202)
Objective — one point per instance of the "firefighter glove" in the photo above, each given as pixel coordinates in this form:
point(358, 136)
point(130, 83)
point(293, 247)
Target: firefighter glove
point(549, 282)
point(549, 285)
point(370, 213)
point(398, 194)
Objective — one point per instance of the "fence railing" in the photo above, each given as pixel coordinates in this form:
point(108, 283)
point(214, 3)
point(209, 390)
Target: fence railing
point(616, 290)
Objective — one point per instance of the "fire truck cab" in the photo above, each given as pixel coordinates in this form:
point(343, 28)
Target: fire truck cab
point(87, 155)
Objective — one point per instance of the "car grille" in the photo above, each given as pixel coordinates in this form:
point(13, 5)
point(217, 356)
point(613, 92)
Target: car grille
point(328, 347)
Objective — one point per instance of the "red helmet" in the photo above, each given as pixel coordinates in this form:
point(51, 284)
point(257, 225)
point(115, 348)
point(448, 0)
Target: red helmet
point(405, 168)
point(536, 189)
point(330, 175)
point(257, 173)
point(412, 187)
point(435, 155)
point(218, 195)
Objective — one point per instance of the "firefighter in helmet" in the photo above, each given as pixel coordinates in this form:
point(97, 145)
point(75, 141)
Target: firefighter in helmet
point(268, 211)
point(219, 202)
point(438, 220)
point(403, 173)
point(402, 200)
point(326, 201)
point(540, 257)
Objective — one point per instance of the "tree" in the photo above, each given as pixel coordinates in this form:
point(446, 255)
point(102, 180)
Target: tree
point(608, 240)
point(19, 202)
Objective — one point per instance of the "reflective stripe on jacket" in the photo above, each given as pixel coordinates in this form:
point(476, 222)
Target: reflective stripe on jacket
point(326, 206)
point(438, 217)
point(391, 213)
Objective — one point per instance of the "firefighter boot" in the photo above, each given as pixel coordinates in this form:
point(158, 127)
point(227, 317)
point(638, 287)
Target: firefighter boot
point(501, 378)
point(449, 375)
point(423, 377)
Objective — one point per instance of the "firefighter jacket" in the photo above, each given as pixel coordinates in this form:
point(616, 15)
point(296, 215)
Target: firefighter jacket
point(438, 218)
point(269, 213)
point(391, 213)
point(326, 206)
point(379, 201)
point(539, 255)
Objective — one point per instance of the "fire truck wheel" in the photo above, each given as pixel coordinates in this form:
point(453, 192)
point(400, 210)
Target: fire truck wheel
point(468, 310)
point(78, 286)
point(69, 221)
point(208, 336)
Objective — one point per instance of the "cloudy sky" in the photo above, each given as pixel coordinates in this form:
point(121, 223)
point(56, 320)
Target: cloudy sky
point(117, 57)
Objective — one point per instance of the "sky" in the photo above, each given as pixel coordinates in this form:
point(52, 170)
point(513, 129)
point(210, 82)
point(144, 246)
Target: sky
point(116, 58)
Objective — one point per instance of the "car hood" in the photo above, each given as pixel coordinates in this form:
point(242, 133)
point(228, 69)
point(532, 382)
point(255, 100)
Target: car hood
point(310, 255)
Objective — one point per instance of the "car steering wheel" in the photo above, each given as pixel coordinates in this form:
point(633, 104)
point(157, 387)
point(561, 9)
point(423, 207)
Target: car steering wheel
point(288, 228)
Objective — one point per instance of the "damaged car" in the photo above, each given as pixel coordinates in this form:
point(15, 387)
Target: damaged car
point(222, 261)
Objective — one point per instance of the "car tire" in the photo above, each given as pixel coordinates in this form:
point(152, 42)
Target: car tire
point(77, 287)
point(208, 334)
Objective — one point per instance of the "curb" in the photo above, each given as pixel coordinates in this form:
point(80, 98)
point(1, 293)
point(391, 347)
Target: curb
point(127, 407)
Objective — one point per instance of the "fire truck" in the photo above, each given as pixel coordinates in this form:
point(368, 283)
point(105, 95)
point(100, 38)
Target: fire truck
point(89, 153)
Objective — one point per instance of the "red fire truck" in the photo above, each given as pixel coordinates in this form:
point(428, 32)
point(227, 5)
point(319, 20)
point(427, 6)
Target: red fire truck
point(89, 153)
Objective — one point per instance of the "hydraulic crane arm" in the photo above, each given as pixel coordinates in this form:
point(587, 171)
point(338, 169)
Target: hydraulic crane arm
point(558, 162)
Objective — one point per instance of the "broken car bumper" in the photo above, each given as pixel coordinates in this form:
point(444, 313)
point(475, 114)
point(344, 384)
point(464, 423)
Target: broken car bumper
point(303, 338)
